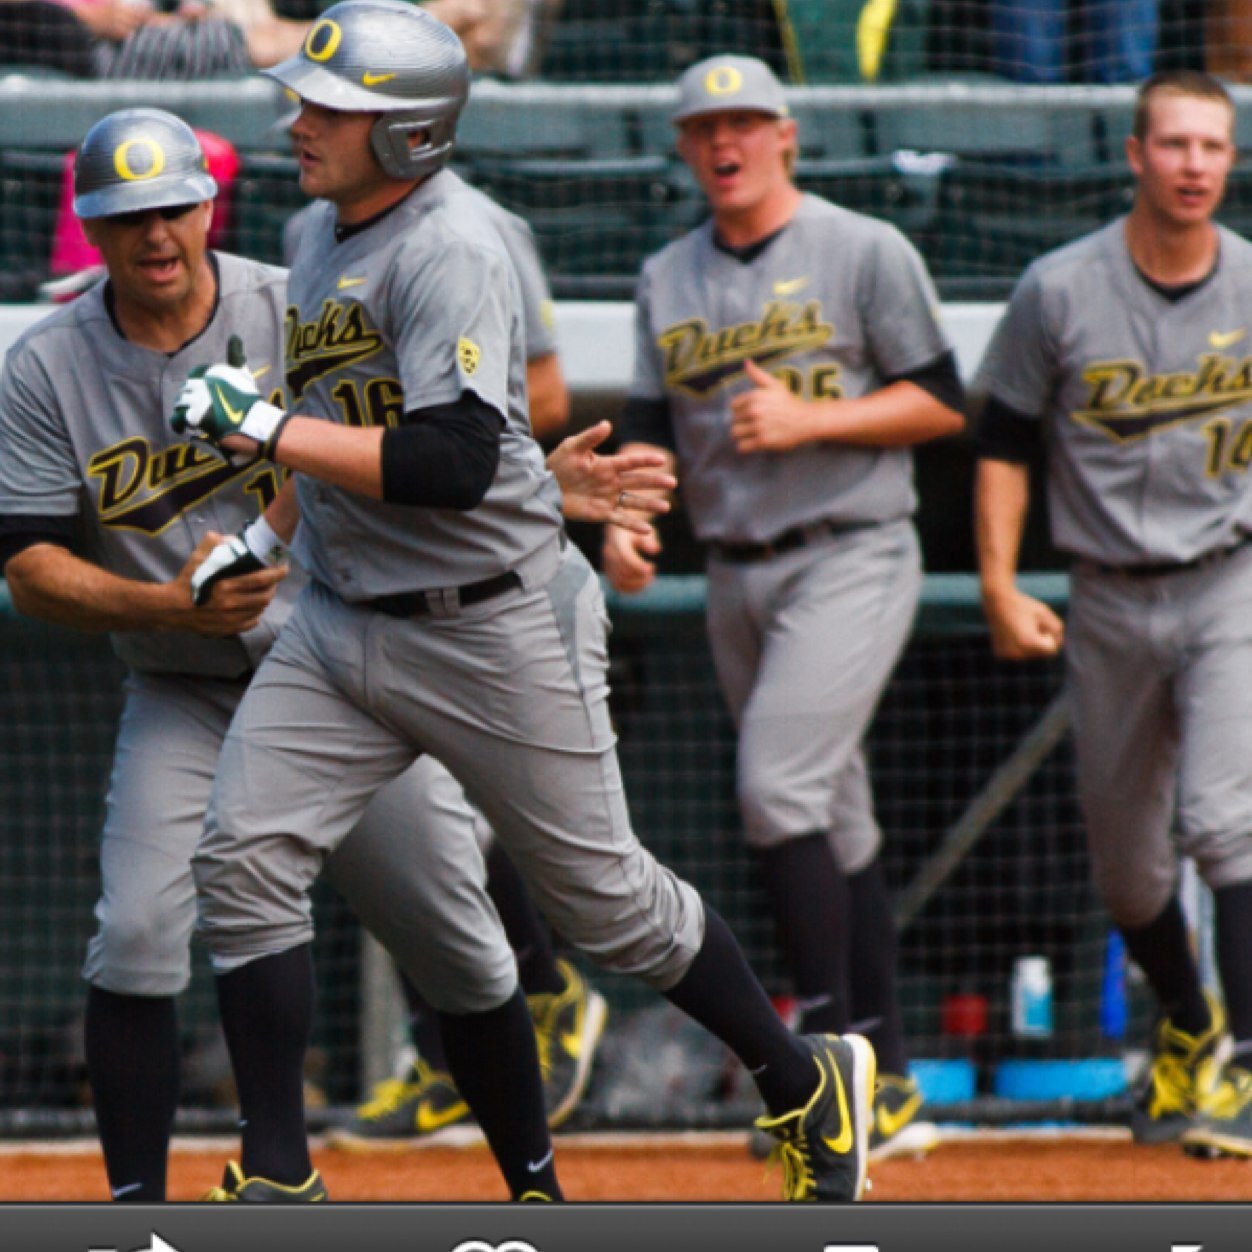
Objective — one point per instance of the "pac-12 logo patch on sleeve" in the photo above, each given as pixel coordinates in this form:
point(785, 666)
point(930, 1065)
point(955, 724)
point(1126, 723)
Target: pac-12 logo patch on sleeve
point(468, 354)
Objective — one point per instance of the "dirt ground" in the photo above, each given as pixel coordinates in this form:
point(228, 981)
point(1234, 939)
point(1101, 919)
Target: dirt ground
point(989, 1167)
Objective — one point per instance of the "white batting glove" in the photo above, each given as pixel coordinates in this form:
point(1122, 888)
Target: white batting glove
point(255, 547)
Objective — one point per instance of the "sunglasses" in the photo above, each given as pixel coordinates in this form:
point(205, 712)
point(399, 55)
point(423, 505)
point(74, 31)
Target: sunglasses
point(170, 213)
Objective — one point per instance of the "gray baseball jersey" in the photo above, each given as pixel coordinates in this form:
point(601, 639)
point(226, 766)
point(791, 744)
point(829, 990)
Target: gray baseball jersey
point(835, 305)
point(509, 692)
point(538, 313)
point(84, 433)
point(407, 314)
point(804, 642)
point(1146, 411)
point(1145, 401)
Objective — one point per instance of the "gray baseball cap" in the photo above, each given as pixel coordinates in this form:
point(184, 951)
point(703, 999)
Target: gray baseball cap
point(727, 82)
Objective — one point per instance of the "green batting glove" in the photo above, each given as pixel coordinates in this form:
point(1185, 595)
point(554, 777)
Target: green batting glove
point(223, 400)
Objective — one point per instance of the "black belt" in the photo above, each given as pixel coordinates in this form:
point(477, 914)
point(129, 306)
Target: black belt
point(788, 541)
point(1161, 568)
point(420, 603)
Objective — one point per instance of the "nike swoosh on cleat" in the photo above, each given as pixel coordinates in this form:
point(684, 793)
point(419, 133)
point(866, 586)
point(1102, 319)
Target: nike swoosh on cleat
point(843, 1143)
point(890, 1124)
point(429, 1119)
point(536, 1166)
point(372, 80)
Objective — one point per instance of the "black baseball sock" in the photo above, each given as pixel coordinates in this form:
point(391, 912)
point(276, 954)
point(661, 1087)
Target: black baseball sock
point(875, 1011)
point(267, 1015)
point(1232, 908)
point(494, 1062)
point(1162, 949)
point(132, 1065)
point(527, 932)
point(808, 897)
point(424, 1030)
point(720, 991)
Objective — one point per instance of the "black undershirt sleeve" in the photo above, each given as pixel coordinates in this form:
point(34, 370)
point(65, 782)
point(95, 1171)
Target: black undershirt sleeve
point(444, 456)
point(1004, 434)
point(939, 378)
point(19, 531)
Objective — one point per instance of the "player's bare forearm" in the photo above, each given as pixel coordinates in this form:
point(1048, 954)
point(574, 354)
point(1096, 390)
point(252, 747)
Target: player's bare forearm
point(1021, 627)
point(771, 418)
point(898, 415)
point(1001, 502)
point(50, 583)
point(343, 456)
point(283, 511)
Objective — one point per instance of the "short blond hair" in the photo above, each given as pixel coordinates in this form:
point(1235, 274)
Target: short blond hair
point(1194, 84)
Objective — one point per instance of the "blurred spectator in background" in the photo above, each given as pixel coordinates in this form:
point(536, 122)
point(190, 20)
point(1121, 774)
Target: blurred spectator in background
point(830, 43)
point(202, 38)
point(135, 39)
point(504, 38)
point(1116, 40)
point(1228, 39)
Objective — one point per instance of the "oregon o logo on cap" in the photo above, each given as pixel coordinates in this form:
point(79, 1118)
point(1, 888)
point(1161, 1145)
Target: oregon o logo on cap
point(723, 80)
point(323, 40)
point(125, 166)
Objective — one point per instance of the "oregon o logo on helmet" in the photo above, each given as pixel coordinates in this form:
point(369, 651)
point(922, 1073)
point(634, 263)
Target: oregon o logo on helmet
point(323, 40)
point(481, 1245)
point(723, 80)
point(125, 166)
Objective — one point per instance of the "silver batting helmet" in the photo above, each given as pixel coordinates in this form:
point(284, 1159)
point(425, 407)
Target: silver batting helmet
point(388, 57)
point(137, 159)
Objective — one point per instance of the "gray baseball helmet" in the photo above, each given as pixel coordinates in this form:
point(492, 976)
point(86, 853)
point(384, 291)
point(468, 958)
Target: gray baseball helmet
point(388, 57)
point(138, 159)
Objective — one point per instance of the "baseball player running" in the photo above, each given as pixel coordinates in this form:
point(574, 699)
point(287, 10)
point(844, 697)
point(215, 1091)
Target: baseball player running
point(446, 612)
point(787, 354)
point(86, 455)
point(421, 1100)
point(1125, 356)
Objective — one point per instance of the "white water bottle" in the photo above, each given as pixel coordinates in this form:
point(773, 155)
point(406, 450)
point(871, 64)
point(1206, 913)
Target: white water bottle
point(1031, 994)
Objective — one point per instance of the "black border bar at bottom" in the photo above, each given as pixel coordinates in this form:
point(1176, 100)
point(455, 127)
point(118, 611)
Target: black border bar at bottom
point(1164, 1227)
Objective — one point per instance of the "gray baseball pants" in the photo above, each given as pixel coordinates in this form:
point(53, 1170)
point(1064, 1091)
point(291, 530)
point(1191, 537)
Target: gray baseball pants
point(511, 695)
point(1159, 678)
